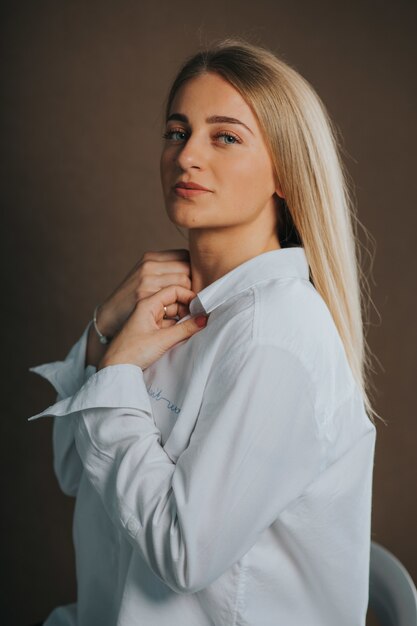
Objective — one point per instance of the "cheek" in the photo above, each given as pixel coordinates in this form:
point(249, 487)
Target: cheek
point(166, 161)
point(163, 164)
point(247, 168)
point(246, 185)
point(166, 175)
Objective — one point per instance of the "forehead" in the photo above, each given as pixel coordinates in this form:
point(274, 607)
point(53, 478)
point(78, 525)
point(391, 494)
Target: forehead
point(210, 94)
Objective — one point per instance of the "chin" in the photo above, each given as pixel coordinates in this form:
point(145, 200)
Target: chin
point(186, 217)
point(188, 223)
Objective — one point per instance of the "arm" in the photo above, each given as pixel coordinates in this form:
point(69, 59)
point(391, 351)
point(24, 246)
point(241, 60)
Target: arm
point(67, 377)
point(254, 449)
point(153, 271)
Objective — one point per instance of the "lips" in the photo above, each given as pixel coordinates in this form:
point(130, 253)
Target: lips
point(190, 185)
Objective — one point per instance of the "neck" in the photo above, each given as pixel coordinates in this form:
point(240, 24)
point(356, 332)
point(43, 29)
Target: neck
point(215, 252)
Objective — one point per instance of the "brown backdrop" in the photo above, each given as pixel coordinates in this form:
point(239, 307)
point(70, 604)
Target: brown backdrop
point(82, 86)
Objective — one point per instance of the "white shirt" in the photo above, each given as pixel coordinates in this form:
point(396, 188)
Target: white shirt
point(229, 483)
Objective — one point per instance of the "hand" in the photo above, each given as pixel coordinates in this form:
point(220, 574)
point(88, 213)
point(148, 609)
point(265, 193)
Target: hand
point(146, 336)
point(151, 273)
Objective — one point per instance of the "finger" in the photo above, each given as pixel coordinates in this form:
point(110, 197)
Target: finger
point(171, 310)
point(151, 268)
point(172, 294)
point(167, 296)
point(183, 310)
point(173, 254)
point(164, 280)
point(167, 323)
point(172, 267)
point(171, 336)
point(177, 310)
point(181, 256)
point(170, 254)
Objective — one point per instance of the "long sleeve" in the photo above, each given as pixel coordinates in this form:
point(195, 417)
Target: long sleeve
point(67, 377)
point(254, 449)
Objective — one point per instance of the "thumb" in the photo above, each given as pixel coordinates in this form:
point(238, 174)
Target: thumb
point(200, 320)
point(191, 326)
point(179, 332)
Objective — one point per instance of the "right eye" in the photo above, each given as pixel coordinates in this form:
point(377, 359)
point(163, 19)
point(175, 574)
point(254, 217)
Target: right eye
point(169, 133)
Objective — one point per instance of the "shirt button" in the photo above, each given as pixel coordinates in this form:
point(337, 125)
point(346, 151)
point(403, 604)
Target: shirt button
point(132, 525)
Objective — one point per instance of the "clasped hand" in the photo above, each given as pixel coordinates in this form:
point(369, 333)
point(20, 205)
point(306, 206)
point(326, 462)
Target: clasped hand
point(146, 335)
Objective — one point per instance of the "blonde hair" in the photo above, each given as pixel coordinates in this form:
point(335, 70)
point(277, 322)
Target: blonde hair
point(318, 211)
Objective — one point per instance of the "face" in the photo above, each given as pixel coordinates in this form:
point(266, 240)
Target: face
point(229, 159)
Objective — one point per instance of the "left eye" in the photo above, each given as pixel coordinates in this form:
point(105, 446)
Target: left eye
point(228, 135)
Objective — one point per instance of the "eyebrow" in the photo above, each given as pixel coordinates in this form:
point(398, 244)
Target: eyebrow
point(213, 119)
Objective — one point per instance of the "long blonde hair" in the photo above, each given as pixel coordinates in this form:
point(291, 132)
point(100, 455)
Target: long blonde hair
point(318, 211)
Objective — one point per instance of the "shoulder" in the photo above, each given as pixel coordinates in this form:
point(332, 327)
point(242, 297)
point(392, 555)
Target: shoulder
point(292, 315)
point(291, 312)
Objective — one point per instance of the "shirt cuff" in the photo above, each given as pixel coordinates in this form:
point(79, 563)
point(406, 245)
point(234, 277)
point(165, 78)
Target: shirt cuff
point(114, 386)
point(69, 375)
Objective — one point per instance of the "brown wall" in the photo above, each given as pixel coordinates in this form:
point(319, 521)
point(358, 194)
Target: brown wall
point(82, 88)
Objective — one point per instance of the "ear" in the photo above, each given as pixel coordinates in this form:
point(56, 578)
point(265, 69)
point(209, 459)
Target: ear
point(279, 193)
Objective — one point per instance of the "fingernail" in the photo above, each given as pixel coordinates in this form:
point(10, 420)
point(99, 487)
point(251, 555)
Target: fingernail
point(201, 320)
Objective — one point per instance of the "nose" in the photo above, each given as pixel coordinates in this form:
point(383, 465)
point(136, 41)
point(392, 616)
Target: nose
point(192, 153)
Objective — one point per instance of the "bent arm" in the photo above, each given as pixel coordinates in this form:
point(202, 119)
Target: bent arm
point(253, 451)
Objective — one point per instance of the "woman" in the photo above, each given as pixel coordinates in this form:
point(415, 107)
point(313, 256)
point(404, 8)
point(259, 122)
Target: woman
point(212, 421)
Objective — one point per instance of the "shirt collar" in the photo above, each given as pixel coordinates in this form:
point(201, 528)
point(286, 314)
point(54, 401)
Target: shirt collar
point(281, 263)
